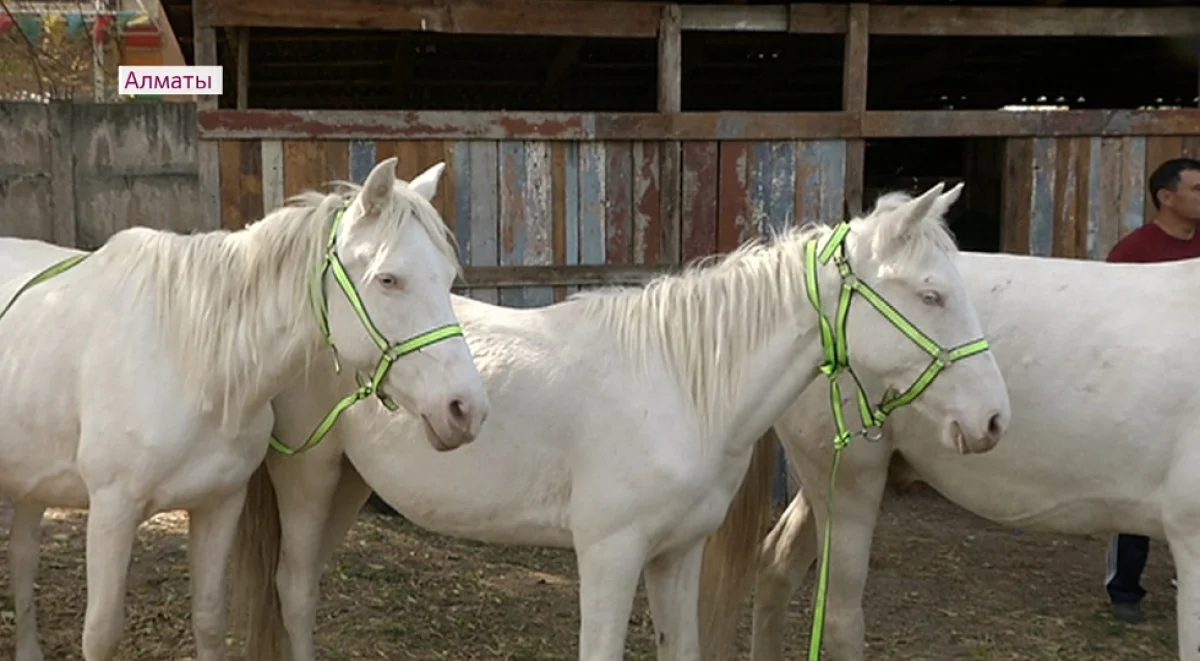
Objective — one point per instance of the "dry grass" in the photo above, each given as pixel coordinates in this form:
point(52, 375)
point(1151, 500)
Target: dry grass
point(944, 585)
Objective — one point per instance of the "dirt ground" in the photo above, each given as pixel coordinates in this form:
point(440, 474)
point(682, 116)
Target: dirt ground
point(944, 585)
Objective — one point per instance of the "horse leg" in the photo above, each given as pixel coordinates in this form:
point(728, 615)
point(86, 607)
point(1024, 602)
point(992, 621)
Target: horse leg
point(608, 578)
point(305, 489)
point(856, 510)
point(1185, 551)
point(352, 493)
point(787, 554)
point(211, 531)
point(673, 590)
point(24, 549)
point(112, 524)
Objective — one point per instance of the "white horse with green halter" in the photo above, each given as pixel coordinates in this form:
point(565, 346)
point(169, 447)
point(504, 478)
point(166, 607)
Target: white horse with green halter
point(624, 422)
point(137, 379)
point(1104, 439)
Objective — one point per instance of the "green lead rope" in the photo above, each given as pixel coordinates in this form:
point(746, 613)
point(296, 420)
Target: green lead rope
point(837, 361)
point(331, 263)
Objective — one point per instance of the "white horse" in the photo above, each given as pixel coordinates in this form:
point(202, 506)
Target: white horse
point(623, 423)
point(139, 380)
point(1105, 437)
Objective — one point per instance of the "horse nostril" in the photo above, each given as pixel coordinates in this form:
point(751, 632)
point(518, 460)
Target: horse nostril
point(459, 412)
point(995, 425)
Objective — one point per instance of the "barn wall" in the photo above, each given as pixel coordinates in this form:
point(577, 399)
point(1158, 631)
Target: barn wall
point(74, 174)
point(536, 203)
point(1076, 197)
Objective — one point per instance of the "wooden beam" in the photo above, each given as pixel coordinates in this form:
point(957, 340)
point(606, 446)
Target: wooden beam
point(587, 275)
point(670, 60)
point(854, 99)
point(734, 18)
point(817, 19)
point(590, 18)
point(960, 21)
point(455, 125)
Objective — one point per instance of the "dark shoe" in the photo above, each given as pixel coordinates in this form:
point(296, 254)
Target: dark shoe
point(1128, 613)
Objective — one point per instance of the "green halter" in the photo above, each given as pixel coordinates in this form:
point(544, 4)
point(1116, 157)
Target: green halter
point(331, 263)
point(390, 352)
point(837, 360)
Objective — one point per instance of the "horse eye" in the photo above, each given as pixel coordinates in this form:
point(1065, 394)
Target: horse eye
point(932, 298)
point(388, 281)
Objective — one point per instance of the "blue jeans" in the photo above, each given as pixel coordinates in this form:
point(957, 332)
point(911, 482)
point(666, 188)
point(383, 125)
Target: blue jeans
point(1126, 560)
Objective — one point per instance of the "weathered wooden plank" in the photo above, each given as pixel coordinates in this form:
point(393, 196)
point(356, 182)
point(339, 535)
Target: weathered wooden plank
point(450, 125)
point(962, 21)
point(594, 18)
point(1041, 203)
point(558, 207)
point(1109, 207)
point(646, 243)
point(272, 168)
point(733, 203)
point(1083, 163)
point(820, 181)
point(580, 275)
point(699, 200)
point(416, 156)
point(1018, 189)
point(513, 214)
point(618, 202)
point(781, 190)
point(241, 183)
point(571, 208)
point(539, 250)
point(758, 189)
point(63, 230)
point(484, 212)
point(1158, 150)
point(670, 198)
point(592, 187)
point(362, 160)
point(460, 190)
point(1095, 205)
point(1065, 198)
point(314, 164)
point(1132, 209)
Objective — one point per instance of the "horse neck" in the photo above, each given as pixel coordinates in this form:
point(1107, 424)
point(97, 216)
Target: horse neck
point(741, 338)
point(233, 307)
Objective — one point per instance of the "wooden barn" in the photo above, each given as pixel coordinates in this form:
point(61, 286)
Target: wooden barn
point(594, 141)
point(601, 141)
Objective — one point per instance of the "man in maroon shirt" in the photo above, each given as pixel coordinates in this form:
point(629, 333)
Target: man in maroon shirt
point(1175, 191)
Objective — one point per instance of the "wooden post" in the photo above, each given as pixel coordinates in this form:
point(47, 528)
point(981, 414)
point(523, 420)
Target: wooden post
point(670, 60)
point(670, 100)
point(854, 99)
point(243, 67)
point(207, 152)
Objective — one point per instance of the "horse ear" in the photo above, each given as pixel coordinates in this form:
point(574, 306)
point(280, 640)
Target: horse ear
point(905, 219)
point(377, 190)
point(426, 183)
point(947, 199)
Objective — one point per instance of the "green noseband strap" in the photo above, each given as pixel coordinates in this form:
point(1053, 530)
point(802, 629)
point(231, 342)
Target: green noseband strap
point(837, 361)
point(389, 353)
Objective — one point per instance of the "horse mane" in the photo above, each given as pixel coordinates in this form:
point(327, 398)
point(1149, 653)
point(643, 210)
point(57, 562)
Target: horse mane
point(218, 294)
point(705, 321)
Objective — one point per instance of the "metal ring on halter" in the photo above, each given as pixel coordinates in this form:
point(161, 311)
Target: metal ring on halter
point(873, 434)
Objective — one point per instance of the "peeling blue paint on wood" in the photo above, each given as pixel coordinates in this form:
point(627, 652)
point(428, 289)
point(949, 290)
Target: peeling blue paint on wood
point(483, 211)
point(362, 160)
point(513, 221)
point(592, 238)
point(571, 211)
point(1041, 211)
